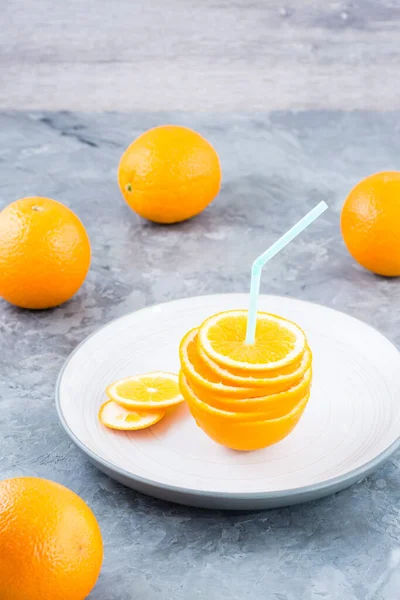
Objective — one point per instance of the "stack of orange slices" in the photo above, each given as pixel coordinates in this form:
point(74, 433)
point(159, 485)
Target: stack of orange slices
point(246, 396)
point(140, 401)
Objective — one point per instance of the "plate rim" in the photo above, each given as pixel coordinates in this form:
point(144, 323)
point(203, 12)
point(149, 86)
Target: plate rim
point(333, 483)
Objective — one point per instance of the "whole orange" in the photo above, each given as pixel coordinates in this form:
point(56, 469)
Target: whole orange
point(169, 174)
point(50, 542)
point(44, 253)
point(370, 223)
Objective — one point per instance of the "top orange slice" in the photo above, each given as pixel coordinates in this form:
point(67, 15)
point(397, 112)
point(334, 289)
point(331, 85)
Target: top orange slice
point(278, 342)
point(147, 392)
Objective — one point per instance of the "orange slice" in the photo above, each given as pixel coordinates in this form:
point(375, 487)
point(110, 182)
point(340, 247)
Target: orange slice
point(114, 416)
point(207, 374)
point(147, 392)
point(259, 378)
point(271, 406)
point(241, 435)
point(278, 342)
point(254, 409)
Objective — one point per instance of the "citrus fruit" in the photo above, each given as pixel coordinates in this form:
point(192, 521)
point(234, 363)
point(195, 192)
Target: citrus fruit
point(114, 416)
point(196, 369)
point(218, 381)
point(271, 405)
point(237, 434)
point(169, 174)
point(202, 367)
point(274, 380)
point(257, 378)
point(50, 542)
point(44, 253)
point(246, 396)
point(370, 223)
point(278, 343)
point(147, 392)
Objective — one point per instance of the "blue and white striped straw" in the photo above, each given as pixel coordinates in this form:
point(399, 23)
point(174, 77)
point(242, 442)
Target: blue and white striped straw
point(266, 256)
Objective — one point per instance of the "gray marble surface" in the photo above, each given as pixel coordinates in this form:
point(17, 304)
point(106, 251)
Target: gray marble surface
point(276, 166)
point(200, 54)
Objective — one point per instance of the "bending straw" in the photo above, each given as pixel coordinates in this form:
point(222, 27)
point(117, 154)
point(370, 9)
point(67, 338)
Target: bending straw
point(265, 257)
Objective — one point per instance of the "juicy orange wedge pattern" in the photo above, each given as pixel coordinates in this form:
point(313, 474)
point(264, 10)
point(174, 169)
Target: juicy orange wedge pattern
point(279, 343)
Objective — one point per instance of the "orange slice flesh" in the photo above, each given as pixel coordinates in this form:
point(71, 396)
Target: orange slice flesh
point(278, 342)
point(147, 392)
point(241, 435)
point(259, 378)
point(114, 416)
point(206, 374)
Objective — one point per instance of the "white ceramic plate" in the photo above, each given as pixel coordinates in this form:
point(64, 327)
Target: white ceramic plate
point(351, 424)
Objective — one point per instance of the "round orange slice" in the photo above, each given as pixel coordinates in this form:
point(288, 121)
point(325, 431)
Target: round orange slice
point(278, 342)
point(147, 392)
point(114, 416)
point(234, 377)
point(205, 373)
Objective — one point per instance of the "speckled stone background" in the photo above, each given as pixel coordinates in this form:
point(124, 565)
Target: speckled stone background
point(276, 166)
